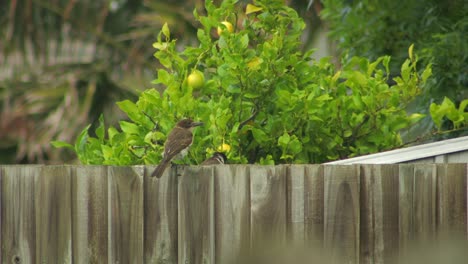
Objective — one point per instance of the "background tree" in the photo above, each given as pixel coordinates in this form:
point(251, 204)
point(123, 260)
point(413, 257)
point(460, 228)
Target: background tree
point(439, 30)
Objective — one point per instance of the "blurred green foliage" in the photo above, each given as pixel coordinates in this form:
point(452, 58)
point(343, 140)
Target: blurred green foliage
point(438, 29)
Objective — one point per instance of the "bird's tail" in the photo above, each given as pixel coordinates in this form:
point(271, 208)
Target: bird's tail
point(158, 172)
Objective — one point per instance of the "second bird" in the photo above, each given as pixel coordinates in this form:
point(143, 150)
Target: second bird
point(217, 158)
point(177, 144)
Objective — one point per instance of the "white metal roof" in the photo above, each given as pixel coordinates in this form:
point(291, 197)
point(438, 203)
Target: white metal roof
point(410, 153)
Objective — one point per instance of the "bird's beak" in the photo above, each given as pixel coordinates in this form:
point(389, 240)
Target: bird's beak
point(194, 124)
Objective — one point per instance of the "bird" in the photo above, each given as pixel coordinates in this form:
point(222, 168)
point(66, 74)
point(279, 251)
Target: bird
point(217, 158)
point(177, 144)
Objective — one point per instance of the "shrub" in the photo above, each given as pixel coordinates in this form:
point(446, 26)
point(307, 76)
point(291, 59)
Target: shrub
point(261, 96)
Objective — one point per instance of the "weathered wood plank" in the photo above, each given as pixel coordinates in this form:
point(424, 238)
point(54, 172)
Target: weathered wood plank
point(341, 229)
point(405, 204)
point(17, 214)
point(196, 215)
point(452, 195)
point(89, 214)
point(125, 186)
point(379, 238)
point(314, 205)
point(417, 204)
point(53, 215)
point(296, 204)
point(268, 201)
point(232, 212)
point(161, 210)
point(425, 197)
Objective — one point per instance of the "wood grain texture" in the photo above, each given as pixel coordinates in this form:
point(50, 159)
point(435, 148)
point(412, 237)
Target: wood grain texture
point(379, 213)
point(125, 186)
point(89, 214)
point(314, 204)
point(296, 219)
point(417, 204)
point(268, 202)
point(232, 212)
point(98, 214)
point(17, 214)
point(405, 206)
point(196, 215)
point(457, 157)
point(341, 227)
point(53, 215)
point(424, 199)
point(451, 199)
point(161, 212)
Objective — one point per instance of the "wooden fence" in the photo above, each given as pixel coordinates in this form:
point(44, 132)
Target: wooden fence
point(106, 214)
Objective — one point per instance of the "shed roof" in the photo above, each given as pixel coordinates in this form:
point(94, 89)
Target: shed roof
point(411, 153)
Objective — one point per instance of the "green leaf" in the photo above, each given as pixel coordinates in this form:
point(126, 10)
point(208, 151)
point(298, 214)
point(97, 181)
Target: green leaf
point(80, 144)
point(446, 108)
point(131, 109)
point(373, 65)
point(163, 77)
point(129, 128)
point(160, 46)
point(414, 118)
point(295, 146)
point(283, 141)
point(203, 37)
point(323, 97)
point(347, 133)
point(410, 52)
point(165, 31)
point(463, 106)
point(244, 41)
point(405, 70)
point(359, 78)
point(436, 115)
point(112, 132)
point(252, 9)
point(386, 62)
point(100, 130)
point(260, 136)
point(268, 160)
point(252, 95)
point(426, 73)
point(254, 64)
point(62, 144)
point(107, 152)
point(128, 106)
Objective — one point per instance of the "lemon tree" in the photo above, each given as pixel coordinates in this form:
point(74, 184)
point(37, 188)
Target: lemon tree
point(261, 98)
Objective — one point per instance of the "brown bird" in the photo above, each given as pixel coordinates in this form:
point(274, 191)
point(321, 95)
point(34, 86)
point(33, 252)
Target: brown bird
point(217, 158)
point(177, 144)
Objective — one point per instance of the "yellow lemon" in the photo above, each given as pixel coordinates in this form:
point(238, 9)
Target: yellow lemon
point(228, 26)
point(196, 79)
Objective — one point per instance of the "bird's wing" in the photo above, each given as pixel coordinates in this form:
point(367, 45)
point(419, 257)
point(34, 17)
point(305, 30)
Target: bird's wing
point(178, 140)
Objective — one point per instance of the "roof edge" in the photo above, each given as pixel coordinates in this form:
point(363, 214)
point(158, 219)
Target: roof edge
point(410, 153)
